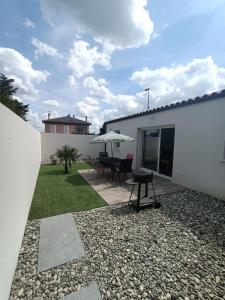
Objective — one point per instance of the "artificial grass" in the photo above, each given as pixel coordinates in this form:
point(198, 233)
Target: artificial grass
point(59, 193)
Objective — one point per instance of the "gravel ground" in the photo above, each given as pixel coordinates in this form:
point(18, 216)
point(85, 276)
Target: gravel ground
point(175, 252)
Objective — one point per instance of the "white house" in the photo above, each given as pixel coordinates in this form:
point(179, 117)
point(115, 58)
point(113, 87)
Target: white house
point(184, 141)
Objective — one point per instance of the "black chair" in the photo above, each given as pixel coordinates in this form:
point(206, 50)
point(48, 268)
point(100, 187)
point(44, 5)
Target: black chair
point(103, 154)
point(124, 167)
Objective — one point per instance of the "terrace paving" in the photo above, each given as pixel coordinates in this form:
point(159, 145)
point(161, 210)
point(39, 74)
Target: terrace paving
point(113, 193)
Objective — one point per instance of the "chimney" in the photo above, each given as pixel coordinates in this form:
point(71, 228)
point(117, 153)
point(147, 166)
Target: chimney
point(49, 115)
point(73, 116)
point(86, 118)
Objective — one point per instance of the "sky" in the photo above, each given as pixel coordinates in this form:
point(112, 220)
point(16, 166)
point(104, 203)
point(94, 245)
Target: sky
point(95, 58)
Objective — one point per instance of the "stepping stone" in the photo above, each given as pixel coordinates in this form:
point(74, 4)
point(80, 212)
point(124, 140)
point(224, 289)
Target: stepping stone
point(59, 242)
point(90, 292)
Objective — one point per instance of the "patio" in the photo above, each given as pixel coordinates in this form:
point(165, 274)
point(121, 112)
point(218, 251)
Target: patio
point(175, 252)
point(113, 193)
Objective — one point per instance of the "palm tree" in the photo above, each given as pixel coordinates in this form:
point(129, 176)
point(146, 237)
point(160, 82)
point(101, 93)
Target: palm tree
point(67, 155)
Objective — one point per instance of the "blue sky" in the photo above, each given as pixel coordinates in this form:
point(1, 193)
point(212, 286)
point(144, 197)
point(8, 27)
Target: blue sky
point(95, 57)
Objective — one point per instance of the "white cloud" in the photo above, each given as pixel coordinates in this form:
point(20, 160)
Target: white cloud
point(91, 108)
point(53, 114)
point(44, 49)
point(34, 120)
point(167, 85)
point(29, 23)
point(72, 82)
point(52, 103)
point(83, 58)
point(87, 106)
point(14, 65)
point(198, 77)
point(122, 24)
point(103, 105)
point(97, 88)
point(157, 34)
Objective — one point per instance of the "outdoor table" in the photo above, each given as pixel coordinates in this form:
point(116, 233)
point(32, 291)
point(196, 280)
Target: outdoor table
point(110, 162)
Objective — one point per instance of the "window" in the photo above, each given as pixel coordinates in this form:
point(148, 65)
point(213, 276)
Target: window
point(79, 130)
point(49, 128)
point(72, 129)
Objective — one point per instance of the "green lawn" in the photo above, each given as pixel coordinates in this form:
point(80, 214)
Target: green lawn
point(59, 193)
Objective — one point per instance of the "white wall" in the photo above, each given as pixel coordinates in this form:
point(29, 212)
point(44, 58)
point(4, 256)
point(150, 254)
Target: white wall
point(19, 165)
point(199, 143)
point(52, 141)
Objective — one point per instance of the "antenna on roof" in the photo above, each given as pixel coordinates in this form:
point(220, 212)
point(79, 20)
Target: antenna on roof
point(147, 90)
point(49, 114)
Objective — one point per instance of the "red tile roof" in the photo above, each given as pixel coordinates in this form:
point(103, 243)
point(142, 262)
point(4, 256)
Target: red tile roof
point(66, 120)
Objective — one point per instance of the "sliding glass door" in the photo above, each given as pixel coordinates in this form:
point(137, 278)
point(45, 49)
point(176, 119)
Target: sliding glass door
point(151, 149)
point(166, 151)
point(158, 150)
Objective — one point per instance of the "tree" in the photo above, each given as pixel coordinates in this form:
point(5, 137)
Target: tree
point(7, 91)
point(67, 155)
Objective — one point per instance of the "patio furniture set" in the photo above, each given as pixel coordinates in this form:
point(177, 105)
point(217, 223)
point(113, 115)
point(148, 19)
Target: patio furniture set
point(123, 167)
point(112, 166)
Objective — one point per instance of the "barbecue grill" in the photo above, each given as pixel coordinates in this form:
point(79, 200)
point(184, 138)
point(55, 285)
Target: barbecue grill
point(141, 177)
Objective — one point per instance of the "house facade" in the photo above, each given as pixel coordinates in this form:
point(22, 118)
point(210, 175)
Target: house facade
point(66, 125)
point(184, 141)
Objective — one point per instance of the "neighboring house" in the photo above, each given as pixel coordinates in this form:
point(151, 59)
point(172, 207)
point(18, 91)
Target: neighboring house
point(66, 125)
point(184, 141)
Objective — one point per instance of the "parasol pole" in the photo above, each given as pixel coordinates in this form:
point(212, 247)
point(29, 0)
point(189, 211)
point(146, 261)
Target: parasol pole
point(111, 150)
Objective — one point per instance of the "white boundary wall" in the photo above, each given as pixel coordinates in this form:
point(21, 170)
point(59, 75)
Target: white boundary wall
point(52, 141)
point(20, 155)
point(199, 161)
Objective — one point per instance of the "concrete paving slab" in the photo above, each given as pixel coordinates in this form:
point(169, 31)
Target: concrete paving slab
point(59, 242)
point(113, 193)
point(90, 292)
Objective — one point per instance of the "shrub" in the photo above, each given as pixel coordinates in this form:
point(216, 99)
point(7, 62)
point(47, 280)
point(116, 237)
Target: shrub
point(67, 155)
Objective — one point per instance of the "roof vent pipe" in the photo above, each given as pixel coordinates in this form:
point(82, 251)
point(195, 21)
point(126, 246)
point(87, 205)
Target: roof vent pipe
point(86, 118)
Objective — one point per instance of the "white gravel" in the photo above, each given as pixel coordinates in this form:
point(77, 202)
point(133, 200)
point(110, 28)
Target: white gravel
point(175, 252)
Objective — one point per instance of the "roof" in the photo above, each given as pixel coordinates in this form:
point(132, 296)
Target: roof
point(204, 98)
point(66, 120)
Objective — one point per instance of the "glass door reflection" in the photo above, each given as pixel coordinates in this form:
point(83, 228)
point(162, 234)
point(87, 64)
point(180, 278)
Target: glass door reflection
point(151, 149)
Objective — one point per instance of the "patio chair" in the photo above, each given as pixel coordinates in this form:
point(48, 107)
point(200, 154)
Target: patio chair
point(103, 154)
point(95, 165)
point(129, 156)
point(124, 167)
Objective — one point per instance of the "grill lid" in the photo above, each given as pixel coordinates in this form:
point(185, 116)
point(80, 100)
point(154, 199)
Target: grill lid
point(142, 176)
